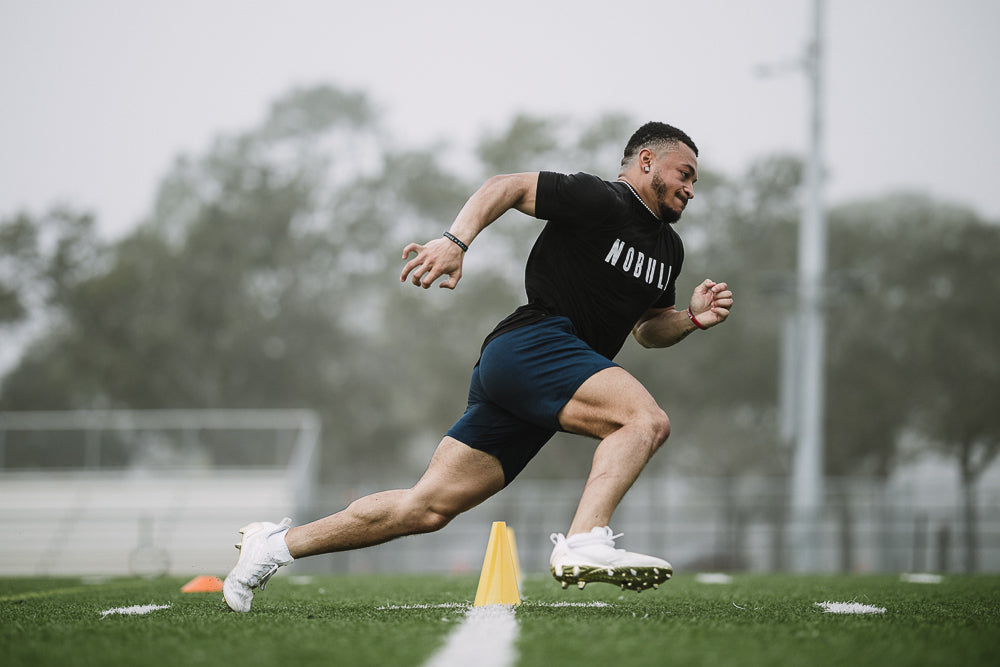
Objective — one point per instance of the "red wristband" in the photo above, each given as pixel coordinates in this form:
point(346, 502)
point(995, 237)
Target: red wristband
point(696, 322)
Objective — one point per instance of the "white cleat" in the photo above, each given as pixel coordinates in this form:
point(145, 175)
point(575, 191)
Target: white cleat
point(256, 564)
point(590, 557)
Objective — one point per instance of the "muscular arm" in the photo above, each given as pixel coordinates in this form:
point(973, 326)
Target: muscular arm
point(663, 327)
point(442, 256)
point(494, 198)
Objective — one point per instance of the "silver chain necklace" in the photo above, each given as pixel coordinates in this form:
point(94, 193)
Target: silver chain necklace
point(622, 180)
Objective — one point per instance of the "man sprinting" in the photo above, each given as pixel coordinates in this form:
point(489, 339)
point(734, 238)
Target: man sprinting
point(604, 265)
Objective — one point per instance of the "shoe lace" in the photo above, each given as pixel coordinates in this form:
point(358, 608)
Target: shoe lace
point(266, 577)
point(284, 525)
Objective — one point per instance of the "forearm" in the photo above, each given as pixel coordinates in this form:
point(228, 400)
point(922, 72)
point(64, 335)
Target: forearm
point(667, 328)
point(496, 196)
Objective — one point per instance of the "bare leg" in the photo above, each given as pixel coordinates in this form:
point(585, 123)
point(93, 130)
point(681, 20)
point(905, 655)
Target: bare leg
point(615, 407)
point(457, 479)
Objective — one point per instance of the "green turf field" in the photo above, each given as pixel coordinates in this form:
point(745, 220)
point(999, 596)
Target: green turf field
point(404, 620)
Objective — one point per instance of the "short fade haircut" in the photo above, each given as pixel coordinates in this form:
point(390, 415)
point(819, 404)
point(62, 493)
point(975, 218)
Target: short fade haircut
point(656, 137)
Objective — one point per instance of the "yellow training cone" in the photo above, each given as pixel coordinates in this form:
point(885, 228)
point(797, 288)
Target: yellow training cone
point(498, 581)
point(517, 561)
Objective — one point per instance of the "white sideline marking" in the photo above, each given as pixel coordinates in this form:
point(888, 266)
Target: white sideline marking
point(466, 605)
point(446, 605)
point(485, 638)
point(135, 610)
point(713, 578)
point(849, 608)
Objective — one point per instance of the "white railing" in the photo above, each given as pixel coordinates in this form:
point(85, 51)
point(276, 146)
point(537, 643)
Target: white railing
point(143, 491)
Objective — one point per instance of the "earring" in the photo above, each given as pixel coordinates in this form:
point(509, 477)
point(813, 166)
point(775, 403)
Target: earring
point(647, 168)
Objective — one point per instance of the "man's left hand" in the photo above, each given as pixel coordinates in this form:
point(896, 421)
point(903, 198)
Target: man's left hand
point(711, 303)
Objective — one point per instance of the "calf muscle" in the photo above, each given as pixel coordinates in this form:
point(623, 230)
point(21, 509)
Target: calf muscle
point(614, 407)
point(457, 479)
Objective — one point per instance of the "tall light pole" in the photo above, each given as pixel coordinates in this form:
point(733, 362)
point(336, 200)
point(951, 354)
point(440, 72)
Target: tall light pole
point(807, 473)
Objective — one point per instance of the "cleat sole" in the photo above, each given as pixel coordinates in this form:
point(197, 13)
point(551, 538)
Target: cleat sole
point(627, 578)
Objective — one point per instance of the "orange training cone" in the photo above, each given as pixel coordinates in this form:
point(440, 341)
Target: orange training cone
point(498, 581)
point(203, 584)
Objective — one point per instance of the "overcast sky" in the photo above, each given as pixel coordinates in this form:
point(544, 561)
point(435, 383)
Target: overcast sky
point(99, 96)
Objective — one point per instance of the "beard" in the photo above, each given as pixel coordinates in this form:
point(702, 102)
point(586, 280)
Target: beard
point(667, 214)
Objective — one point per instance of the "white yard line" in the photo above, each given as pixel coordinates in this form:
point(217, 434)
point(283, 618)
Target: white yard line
point(485, 639)
point(135, 610)
point(849, 608)
point(921, 578)
point(486, 636)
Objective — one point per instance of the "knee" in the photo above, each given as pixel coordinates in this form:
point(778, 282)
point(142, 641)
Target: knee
point(430, 520)
point(426, 516)
point(409, 511)
point(658, 427)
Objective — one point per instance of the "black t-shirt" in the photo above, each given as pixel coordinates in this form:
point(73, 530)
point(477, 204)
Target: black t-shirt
point(602, 260)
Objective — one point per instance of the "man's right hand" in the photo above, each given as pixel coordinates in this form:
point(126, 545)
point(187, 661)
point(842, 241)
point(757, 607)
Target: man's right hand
point(434, 259)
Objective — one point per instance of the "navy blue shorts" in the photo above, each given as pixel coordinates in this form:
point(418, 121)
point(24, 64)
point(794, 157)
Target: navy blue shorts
point(523, 379)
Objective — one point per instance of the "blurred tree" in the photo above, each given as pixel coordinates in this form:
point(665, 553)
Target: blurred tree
point(527, 141)
point(18, 267)
point(924, 355)
point(239, 290)
point(42, 258)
